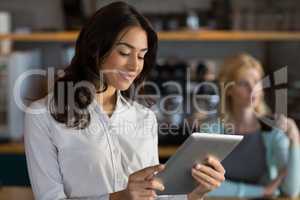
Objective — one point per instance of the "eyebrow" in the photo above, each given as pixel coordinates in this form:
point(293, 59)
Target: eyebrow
point(130, 46)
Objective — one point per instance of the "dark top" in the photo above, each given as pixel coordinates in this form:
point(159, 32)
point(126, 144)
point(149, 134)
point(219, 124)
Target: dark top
point(247, 162)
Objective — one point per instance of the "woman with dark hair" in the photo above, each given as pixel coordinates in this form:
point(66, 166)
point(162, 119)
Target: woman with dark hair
point(89, 138)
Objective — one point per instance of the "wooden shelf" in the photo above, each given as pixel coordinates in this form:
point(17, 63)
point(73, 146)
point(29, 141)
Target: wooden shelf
point(12, 148)
point(230, 36)
point(18, 148)
point(167, 151)
point(41, 37)
point(16, 193)
point(204, 35)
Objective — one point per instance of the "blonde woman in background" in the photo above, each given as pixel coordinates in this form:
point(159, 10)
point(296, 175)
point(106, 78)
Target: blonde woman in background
point(267, 162)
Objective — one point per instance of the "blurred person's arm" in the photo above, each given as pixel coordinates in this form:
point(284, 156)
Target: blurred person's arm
point(244, 190)
point(286, 150)
point(238, 189)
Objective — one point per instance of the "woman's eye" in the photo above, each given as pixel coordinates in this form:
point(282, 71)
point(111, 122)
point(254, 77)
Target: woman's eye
point(242, 83)
point(123, 54)
point(142, 56)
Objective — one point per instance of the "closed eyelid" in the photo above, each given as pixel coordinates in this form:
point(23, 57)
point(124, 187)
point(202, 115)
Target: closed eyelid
point(124, 52)
point(128, 51)
point(140, 55)
point(242, 82)
point(124, 48)
point(129, 46)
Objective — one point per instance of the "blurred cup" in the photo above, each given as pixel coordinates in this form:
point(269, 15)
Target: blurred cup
point(5, 28)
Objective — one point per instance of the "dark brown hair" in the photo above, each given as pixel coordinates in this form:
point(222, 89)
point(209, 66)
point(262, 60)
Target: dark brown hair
point(95, 41)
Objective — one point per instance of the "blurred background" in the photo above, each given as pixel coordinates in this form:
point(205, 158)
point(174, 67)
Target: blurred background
point(194, 38)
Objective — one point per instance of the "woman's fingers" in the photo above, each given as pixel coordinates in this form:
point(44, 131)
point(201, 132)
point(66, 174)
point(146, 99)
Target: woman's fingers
point(154, 185)
point(142, 185)
point(210, 175)
point(215, 164)
point(145, 173)
point(211, 172)
point(273, 186)
point(199, 175)
point(204, 184)
point(147, 194)
point(146, 185)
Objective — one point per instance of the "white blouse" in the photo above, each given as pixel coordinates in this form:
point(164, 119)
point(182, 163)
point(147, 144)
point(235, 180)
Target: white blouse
point(65, 163)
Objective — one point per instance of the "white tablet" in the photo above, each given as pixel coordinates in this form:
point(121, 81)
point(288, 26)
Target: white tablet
point(177, 177)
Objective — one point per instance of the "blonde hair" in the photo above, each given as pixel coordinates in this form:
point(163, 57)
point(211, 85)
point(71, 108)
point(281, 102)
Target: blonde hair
point(230, 71)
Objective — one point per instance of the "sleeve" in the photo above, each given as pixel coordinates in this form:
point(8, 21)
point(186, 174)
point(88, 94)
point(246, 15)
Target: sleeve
point(288, 155)
point(237, 189)
point(156, 160)
point(42, 162)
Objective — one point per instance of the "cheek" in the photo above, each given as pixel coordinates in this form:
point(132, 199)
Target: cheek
point(258, 96)
point(257, 93)
point(140, 69)
point(114, 61)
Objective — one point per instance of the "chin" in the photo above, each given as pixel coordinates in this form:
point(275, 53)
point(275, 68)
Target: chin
point(122, 87)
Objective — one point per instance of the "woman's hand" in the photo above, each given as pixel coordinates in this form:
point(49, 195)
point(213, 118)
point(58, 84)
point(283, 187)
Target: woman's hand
point(209, 176)
point(289, 126)
point(270, 189)
point(141, 185)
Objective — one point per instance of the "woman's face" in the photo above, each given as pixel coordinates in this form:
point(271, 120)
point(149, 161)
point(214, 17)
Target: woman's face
point(126, 58)
point(247, 89)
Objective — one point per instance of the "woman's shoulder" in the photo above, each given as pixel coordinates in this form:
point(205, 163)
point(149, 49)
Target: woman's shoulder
point(275, 138)
point(38, 111)
point(279, 135)
point(40, 105)
point(37, 116)
point(269, 127)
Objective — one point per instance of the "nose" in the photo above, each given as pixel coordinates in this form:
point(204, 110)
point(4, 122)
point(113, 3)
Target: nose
point(250, 88)
point(133, 64)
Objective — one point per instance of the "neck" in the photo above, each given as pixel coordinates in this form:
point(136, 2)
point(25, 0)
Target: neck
point(244, 119)
point(242, 115)
point(107, 99)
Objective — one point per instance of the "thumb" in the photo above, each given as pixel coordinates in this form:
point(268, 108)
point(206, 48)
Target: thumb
point(147, 172)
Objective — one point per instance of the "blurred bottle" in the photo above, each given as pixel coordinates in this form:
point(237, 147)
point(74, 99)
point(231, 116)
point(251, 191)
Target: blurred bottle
point(192, 20)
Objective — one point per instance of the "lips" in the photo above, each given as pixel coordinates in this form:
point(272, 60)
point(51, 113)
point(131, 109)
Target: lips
point(127, 75)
